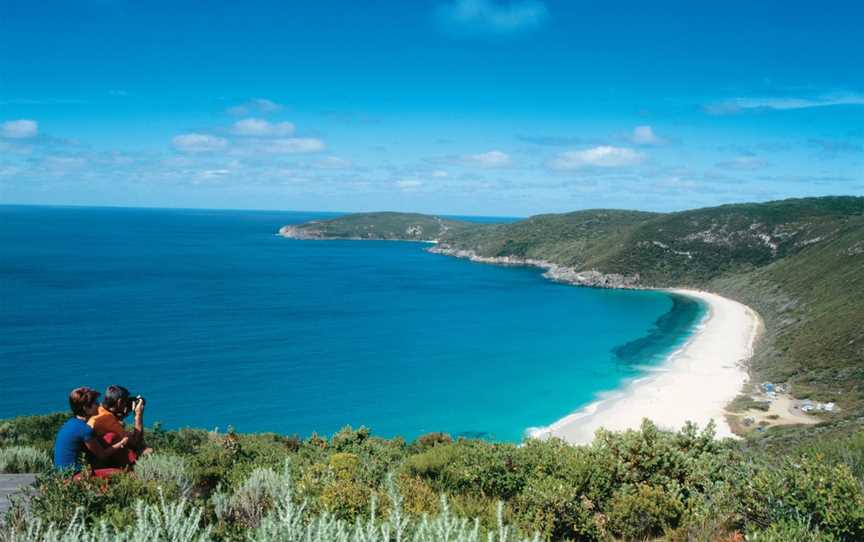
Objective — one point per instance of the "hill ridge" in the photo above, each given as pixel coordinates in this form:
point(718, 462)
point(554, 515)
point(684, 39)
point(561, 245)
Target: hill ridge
point(799, 262)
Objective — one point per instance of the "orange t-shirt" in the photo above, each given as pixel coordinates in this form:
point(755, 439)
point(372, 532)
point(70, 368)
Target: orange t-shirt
point(105, 422)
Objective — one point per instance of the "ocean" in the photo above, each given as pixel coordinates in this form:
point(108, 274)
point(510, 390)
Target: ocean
point(219, 322)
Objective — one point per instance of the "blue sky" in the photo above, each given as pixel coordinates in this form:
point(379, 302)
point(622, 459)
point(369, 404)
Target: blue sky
point(456, 106)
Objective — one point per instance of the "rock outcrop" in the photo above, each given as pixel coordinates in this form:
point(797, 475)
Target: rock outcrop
point(293, 232)
point(558, 273)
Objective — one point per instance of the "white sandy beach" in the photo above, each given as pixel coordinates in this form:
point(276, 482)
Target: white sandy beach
point(694, 384)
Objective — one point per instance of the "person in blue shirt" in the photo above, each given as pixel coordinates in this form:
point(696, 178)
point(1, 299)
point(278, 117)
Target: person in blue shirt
point(75, 436)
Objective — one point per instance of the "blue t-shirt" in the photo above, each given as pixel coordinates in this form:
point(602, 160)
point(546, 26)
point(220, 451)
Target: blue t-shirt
point(70, 443)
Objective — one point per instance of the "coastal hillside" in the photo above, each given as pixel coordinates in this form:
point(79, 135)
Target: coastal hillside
point(638, 485)
point(798, 262)
point(381, 226)
point(687, 248)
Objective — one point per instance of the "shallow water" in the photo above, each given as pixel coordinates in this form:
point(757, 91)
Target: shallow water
point(218, 322)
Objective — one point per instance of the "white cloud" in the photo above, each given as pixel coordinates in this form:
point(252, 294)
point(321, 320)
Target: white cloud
point(603, 156)
point(491, 16)
point(644, 135)
point(262, 128)
point(294, 145)
point(257, 105)
point(744, 163)
point(211, 174)
point(678, 183)
point(408, 185)
point(19, 129)
point(199, 143)
point(440, 174)
point(333, 162)
point(737, 105)
point(488, 159)
point(64, 163)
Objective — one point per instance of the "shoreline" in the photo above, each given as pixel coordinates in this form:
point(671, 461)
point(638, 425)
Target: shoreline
point(694, 383)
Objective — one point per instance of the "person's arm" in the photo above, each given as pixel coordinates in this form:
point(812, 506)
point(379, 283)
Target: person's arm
point(136, 436)
point(139, 417)
point(97, 450)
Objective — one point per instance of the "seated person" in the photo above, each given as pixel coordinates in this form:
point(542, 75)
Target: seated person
point(75, 436)
point(108, 426)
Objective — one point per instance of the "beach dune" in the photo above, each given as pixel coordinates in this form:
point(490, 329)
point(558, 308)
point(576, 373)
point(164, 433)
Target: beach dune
point(695, 384)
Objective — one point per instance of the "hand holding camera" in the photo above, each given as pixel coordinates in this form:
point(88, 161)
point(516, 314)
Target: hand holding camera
point(138, 403)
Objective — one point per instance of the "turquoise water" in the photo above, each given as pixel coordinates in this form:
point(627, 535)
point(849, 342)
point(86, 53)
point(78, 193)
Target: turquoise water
point(218, 322)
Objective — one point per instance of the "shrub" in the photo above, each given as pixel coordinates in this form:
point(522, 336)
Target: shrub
point(643, 511)
point(349, 439)
point(470, 466)
point(112, 499)
point(211, 464)
point(290, 521)
point(20, 459)
point(345, 466)
point(165, 469)
point(345, 499)
point(430, 440)
point(168, 521)
point(848, 451)
point(36, 431)
point(292, 443)
point(555, 509)
point(317, 441)
point(184, 441)
point(419, 497)
point(827, 496)
point(797, 530)
point(252, 500)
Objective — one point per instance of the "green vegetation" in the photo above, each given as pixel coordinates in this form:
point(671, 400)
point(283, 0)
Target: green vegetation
point(636, 485)
point(386, 226)
point(574, 239)
point(798, 262)
point(18, 459)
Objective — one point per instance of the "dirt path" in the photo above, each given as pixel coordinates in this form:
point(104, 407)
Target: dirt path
point(11, 484)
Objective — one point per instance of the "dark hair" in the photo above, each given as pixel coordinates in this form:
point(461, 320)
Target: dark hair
point(115, 397)
point(80, 399)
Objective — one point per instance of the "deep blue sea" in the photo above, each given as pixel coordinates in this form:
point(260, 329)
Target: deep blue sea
point(217, 321)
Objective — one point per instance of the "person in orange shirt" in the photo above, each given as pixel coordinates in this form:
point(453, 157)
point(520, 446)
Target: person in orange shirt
point(108, 425)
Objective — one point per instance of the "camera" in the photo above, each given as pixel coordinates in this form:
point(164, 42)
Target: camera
point(138, 398)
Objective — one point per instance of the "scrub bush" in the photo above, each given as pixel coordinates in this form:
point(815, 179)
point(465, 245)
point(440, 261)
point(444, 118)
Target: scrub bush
point(430, 440)
point(164, 469)
point(826, 496)
point(112, 499)
point(35, 431)
point(797, 530)
point(164, 521)
point(181, 442)
point(467, 466)
point(682, 486)
point(345, 466)
point(21, 459)
point(345, 499)
point(211, 464)
point(644, 511)
point(348, 439)
point(290, 522)
point(252, 500)
point(419, 497)
point(556, 510)
point(847, 451)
